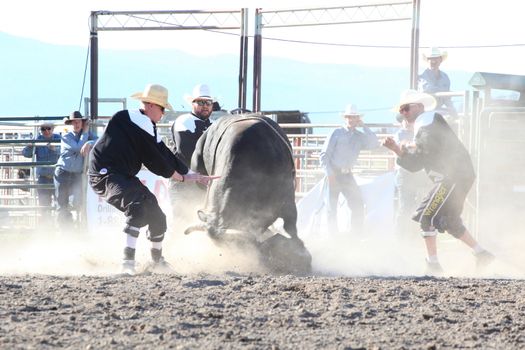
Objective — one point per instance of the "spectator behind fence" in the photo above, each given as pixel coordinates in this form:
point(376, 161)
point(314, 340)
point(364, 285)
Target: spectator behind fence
point(338, 157)
point(44, 174)
point(434, 80)
point(74, 147)
point(185, 131)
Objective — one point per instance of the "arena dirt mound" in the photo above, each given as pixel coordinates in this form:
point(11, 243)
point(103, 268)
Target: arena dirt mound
point(260, 312)
point(62, 291)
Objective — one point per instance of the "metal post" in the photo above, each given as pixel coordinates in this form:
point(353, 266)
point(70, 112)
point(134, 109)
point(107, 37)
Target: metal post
point(94, 66)
point(257, 62)
point(414, 46)
point(243, 60)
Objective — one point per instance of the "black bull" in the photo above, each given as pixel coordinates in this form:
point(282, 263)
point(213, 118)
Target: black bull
point(254, 158)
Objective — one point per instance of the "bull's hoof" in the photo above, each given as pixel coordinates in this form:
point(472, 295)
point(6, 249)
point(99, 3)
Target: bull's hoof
point(285, 256)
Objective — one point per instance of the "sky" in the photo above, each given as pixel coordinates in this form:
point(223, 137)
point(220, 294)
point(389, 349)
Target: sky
point(460, 27)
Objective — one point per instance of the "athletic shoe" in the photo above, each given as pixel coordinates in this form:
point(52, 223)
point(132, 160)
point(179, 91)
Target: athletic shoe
point(128, 267)
point(434, 269)
point(161, 266)
point(483, 259)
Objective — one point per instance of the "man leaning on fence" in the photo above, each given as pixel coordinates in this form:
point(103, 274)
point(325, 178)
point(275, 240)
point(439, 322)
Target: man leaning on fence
point(44, 174)
point(74, 147)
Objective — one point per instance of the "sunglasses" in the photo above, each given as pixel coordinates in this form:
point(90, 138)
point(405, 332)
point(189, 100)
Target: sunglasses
point(203, 103)
point(45, 128)
point(405, 108)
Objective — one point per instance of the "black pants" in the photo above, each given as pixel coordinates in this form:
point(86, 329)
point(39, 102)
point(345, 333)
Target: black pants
point(129, 195)
point(441, 209)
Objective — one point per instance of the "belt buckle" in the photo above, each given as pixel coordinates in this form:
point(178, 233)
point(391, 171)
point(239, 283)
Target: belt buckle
point(346, 171)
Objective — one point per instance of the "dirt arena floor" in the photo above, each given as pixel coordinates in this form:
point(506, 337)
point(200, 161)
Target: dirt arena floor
point(63, 292)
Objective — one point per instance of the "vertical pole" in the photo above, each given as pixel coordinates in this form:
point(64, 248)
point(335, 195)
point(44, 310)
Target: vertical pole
point(243, 60)
point(414, 46)
point(93, 37)
point(476, 153)
point(245, 63)
point(257, 43)
point(93, 107)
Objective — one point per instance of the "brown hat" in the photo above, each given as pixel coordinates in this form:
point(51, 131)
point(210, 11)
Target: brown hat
point(74, 116)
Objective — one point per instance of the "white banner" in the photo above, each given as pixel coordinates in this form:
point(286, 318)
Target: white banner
point(378, 195)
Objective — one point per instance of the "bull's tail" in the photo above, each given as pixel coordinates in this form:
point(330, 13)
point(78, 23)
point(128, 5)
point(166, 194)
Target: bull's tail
point(196, 227)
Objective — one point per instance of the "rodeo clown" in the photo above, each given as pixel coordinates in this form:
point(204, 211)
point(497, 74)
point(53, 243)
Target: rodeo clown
point(446, 161)
point(130, 140)
point(186, 198)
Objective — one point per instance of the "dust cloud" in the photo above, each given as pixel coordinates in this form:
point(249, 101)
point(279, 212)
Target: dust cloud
point(100, 253)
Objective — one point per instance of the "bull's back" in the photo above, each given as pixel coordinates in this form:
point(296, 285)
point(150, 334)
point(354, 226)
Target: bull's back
point(253, 149)
point(257, 171)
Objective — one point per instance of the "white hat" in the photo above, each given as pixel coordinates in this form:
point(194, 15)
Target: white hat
point(201, 92)
point(47, 123)
point(351, 109)
point(434, 52)
point(413, 96)
point(153, 93)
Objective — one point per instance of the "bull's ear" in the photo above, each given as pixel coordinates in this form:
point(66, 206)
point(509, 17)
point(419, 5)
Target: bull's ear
point(202, 216)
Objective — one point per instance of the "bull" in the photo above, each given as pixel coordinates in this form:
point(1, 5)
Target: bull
point(254, 158)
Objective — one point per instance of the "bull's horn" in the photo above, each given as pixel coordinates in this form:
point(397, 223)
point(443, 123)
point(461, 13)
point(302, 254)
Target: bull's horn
point(232, 231)
point(196, 227)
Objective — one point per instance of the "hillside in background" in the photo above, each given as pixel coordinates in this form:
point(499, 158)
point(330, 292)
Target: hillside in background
point(44, 79)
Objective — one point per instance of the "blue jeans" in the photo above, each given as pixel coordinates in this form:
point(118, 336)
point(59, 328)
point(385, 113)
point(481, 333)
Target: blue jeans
point(347, 186)
point(67, 184)
point(45, 195)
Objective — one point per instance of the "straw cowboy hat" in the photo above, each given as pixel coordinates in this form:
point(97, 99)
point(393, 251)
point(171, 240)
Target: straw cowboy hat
point(153, 93)
point(434, 52)
point(200, 92)
point(351, 110)
point(76, 115)
point(413, 96)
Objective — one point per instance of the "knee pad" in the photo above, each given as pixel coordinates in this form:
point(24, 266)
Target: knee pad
point(155, 237)
point(132, 230)
point(426, 234)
